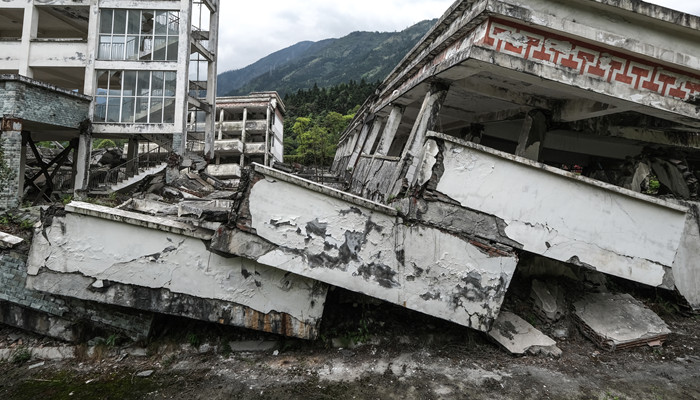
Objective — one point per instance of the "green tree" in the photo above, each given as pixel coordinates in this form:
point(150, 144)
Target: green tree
point(316, 147)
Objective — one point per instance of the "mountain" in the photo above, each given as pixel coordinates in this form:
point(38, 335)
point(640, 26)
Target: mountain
point(359, 55)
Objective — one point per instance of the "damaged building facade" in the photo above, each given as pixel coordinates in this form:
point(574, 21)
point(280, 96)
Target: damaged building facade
point(249, 129)
point(514, 130)
point(76, 71)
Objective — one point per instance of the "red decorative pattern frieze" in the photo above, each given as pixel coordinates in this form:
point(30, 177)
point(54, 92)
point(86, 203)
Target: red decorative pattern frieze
point(591, 61)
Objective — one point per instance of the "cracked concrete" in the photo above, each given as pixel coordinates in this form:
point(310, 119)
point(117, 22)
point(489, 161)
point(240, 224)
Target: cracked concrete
point(341, 242)
point(165, 263)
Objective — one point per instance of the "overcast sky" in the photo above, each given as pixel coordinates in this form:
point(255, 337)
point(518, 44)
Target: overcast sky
point(251, 30)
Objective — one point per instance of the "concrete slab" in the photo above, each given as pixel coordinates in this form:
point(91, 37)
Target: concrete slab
point(519, 337)
point(254, 345)
point(156, 264)
point(618, 321)
point(8, 241)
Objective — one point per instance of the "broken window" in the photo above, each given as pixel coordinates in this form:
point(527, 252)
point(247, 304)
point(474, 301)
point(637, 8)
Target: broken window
point(145, 97)
point(144, 35)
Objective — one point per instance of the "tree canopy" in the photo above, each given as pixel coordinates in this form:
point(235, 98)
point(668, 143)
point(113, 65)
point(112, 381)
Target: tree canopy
point(316, 117)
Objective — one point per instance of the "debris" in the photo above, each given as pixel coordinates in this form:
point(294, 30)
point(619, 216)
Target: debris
point(519, 337)
point(671, 177)
point(548, 300)
point(253, 345)
point(618, 321)
point(8, 241)
point(560, 333)
point(37, 365)
point(145, 374)
point(53, 353)
point(135, 352)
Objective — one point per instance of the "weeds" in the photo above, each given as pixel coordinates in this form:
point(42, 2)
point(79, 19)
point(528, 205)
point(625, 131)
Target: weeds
point(16, 220)
point(21, 355)
point(112, 340)
point(193, 340)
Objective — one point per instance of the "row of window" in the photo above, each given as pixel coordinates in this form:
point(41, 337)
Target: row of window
point(145, 35)
point(146, 97)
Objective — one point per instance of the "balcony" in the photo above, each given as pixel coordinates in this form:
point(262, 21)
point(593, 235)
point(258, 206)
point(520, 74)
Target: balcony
point(228, 147)
point(224, 171)
point(237, 126)
point(254, 148)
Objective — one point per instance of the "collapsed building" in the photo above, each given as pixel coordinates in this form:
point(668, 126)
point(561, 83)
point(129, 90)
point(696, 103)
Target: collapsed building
point(514, 130)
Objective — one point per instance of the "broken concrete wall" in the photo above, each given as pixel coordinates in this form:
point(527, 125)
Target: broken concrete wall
point(686, 266)
point(362, 246)
point(373, 176)
point(560, 215)
point(55, 316)
point(123, 258)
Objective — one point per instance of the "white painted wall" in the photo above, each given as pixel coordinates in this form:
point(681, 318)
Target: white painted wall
point(562, 216)
point(104, 250)
point(420, 268)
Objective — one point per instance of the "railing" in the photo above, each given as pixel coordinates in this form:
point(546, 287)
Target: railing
point(105, 179)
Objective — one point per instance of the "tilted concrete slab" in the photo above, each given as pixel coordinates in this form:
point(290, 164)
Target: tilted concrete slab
point(561, 215)
point(519, 337)
point(331, 236)
point(123, 258)
point(618, 321)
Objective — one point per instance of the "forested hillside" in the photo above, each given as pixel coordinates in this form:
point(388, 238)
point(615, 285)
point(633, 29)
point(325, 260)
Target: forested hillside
point(359, 55)
point(316, 117)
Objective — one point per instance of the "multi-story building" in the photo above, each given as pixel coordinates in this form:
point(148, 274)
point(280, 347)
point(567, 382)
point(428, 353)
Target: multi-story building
point(248, 129)
point(136, 68)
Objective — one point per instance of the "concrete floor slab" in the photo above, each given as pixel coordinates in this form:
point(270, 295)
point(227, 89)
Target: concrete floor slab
point(616, 321)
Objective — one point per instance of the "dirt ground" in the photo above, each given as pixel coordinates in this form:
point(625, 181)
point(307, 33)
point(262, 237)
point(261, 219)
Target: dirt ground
point(405, 355)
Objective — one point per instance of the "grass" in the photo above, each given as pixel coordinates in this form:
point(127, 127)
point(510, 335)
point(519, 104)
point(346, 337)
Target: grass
point(68, 385)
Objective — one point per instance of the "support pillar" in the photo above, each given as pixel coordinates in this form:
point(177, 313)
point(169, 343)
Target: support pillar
point(82, 160)
point(392, 126)
point(412, 152)
point(243, 137)
point(376, 128)
point(11, 168)
point(267, 138)
point(532, 136)
point(29, 33)
point(132, 163)
point(210, 120)
point(359, 143)
point(222, 114)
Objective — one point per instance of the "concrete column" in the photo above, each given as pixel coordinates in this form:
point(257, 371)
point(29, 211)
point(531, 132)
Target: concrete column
point(179, 146)
point(359, 143)
point(222, 114)
point(243, 137)
point(376, 128)
point(132, 165)
point(392, 126)
point(532, 136)
point(11, 168)
point(267, 138)
point(209, 131)
point(427, 119)
point(30, 25)
point(82, 160)
point(90, 80)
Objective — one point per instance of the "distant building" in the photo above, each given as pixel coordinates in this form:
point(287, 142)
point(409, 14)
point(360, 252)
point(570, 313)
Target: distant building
point(248, 129)
point(134, 69)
